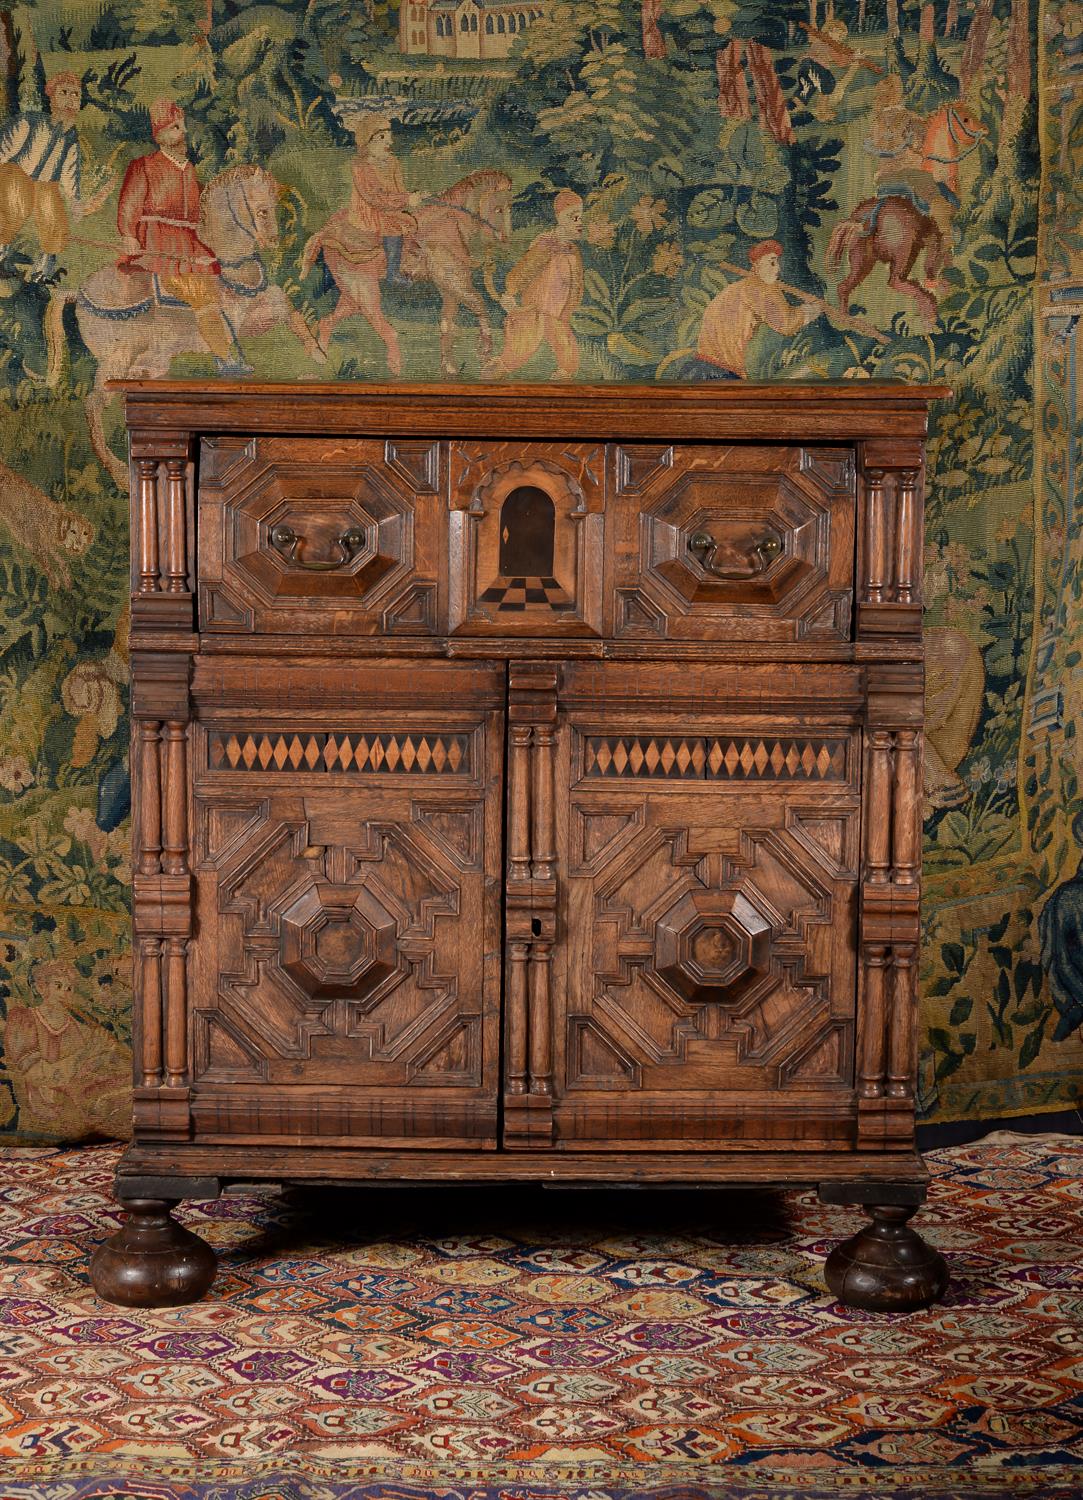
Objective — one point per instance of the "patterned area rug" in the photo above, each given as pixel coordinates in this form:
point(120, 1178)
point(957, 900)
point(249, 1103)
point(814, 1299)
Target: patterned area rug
point(521, 1345)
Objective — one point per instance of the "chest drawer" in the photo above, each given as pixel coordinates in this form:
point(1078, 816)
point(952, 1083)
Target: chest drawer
point(355, 536)
point(320, 536)
point(731, 542)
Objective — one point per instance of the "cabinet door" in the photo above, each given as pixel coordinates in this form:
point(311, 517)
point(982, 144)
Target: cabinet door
point(345, 979)
point(703, 974)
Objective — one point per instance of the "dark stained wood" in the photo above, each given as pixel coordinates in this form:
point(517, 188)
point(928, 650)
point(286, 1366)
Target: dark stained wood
point(527, 787)
point(153, 1261)
point(859, 1175)
point(887, 1266)
point(666, 413)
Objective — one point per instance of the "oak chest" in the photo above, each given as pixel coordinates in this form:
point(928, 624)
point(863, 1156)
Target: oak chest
point(527, 785)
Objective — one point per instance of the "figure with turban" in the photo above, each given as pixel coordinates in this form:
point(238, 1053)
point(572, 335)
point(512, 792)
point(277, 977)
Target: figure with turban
point(159, 222)
point(40, 168)
point(542, 292)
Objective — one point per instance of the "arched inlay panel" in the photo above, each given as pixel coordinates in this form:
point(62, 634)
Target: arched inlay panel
point(527, 524)
point(526, 538)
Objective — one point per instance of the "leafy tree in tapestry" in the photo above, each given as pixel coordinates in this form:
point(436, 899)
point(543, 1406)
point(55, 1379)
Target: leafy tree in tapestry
point(265, 83)
point(347, 34)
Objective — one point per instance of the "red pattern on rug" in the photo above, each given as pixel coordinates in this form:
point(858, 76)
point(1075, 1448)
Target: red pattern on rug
point(604, 1341)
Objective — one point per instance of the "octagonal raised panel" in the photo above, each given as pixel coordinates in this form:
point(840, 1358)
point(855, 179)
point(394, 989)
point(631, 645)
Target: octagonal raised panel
point(708, 941)
point(763, 548)
point(751, 543)
point(338, 942)
point(301, 535)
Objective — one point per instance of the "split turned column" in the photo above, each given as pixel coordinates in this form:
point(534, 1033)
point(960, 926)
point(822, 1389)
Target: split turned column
point(530, 903)
point(889, 605)
point(161, 653)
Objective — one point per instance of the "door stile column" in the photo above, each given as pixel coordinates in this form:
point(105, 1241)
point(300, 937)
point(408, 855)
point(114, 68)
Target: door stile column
point(530, 905)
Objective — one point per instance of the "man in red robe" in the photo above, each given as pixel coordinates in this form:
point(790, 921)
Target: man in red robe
point(158, 219)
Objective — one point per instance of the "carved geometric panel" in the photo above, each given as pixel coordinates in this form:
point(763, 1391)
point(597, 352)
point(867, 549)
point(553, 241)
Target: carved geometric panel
point(732, 542)
point(345, 949)
point(306, 535)
point(699, 959)
point(329, 933)
point(460, 829)
point(832, 837)
point(638, 615)
point(711, 944)
point(706, 988)
point(598, 830)
point(639, 464)
point(222, 824)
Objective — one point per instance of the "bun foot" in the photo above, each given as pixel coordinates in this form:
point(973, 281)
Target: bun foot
point(887, 1266)
point(153, 1261)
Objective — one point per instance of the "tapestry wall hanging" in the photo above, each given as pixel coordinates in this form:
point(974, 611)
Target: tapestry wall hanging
point(538, 189)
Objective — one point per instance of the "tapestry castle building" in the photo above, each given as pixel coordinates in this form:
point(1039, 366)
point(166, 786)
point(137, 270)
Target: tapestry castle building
point(464, 28)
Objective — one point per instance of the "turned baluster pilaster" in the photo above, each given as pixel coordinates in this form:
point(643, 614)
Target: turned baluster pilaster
point(176, 530)
point(147, 493)
point(541, 1041)
point(876, 536)
point(880, 800)
point(150, 953)
point(517, 1062)
point(162, 886)
point(900, 1065)
point(519, 803)
point(873, 1022)
point(906, 820)
point(150, 797)
point(176, 1012)
point(907, 550)
point(542, 851)
point(175, 862)
point(175, 801)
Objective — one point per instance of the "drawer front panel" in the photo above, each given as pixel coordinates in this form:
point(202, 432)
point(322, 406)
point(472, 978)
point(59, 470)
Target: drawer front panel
point(312, 536)
point(526, 538)
point(707, 910)
point(731, 542)
point(344, 977)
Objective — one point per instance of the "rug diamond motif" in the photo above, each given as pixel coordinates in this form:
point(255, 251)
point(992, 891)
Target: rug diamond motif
point(651, 1355)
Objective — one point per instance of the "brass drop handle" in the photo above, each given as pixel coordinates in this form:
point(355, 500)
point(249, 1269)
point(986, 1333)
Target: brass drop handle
point(284, 540)
point(761, 555)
